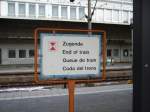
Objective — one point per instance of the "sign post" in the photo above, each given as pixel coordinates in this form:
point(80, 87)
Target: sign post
point(76, 57)
point(71, 88)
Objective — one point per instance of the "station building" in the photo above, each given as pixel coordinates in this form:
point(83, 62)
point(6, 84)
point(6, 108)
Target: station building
point(19, 18)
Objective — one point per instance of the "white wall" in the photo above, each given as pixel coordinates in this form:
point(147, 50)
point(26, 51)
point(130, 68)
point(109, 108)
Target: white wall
point(120, 57)
point(104, 12)
point(28, 60)
point(4, 8)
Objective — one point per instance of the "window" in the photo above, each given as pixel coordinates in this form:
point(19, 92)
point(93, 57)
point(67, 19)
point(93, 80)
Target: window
point(11, 9)
point(22, 53)
point(54, 11)
point(107, 15)
point(109, 52)
point(125, 53)
point(125, 17)
point(72, 12)
point(81, 13)
point(22, 10)
point(32, 10)
point(31, 53)
point(131, 17)
point(11, 54)
point(130, 52)
point(41, 10)
point(100, 14)
point(115, 15)
point(116, 52)
point(64, 12)
point(39, 53)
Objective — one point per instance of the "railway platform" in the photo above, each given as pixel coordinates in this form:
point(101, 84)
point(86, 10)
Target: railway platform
point(33, 92)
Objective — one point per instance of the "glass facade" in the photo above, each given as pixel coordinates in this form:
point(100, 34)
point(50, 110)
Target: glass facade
point(73, 13)
point(110, 14)
point(54, 11)
point(42, 10)
point(11, 9)
point(22, 10)
point(81, 13)
point(115, 15)
point(32, 10)
point(64, 12)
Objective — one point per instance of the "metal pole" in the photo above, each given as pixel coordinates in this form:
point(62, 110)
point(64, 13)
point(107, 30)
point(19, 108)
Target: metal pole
point(89, 17)
point(132, 47)
point(71, 87)
point(132, 42)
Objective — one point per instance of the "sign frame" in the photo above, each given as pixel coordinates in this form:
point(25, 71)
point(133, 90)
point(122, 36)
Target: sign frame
point(45, 44)
point(64, 81)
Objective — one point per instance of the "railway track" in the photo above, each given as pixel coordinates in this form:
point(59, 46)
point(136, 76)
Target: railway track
point(26, 78)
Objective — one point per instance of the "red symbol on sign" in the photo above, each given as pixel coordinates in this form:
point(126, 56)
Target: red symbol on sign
point(52, 46)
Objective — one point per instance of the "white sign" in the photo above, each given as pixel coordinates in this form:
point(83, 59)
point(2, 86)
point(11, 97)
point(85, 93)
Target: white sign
point(70, 56)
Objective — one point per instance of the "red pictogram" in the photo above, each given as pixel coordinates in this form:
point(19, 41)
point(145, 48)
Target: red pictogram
point(52, 45)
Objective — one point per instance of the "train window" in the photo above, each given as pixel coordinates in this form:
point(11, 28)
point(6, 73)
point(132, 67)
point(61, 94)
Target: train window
point(11, 54)
point(116, 52)
point(22, 53)
point(109, 52)
point(125, 53)
point(31, 53)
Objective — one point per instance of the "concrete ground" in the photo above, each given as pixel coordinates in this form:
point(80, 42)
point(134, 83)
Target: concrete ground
point(31, 92)
point(112, 98)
